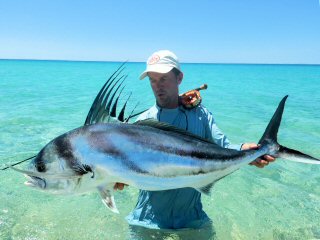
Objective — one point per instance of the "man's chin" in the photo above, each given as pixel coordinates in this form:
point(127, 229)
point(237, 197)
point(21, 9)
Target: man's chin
point(162, 103)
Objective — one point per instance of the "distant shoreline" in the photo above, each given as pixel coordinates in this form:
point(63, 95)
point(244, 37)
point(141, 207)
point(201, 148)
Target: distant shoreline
point(117, 61)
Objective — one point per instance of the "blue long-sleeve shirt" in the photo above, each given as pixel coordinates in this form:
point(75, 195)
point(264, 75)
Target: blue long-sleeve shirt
point(177, 208)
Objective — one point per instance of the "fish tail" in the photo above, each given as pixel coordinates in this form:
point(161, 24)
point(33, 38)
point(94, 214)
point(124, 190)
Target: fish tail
point(270, 138)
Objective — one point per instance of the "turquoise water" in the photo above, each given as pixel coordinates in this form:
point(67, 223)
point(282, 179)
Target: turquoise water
point(40, 100)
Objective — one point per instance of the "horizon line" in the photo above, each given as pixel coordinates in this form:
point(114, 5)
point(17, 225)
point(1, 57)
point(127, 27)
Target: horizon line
point(118, 61)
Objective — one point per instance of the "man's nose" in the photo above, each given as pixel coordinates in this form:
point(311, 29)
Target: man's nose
point(155, 86)
point(159, 84)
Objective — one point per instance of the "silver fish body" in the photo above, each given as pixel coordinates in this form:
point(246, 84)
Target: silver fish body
point(141, 156)
point(95, 157)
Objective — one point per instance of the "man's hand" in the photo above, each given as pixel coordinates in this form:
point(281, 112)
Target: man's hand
point(119, 186)
point(259, 162)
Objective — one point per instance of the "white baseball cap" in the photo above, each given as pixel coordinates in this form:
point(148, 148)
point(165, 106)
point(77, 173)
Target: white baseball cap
point(162, 61)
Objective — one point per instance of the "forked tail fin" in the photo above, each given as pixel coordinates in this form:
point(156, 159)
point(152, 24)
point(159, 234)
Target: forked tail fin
point(271, 132)
point(270, 137)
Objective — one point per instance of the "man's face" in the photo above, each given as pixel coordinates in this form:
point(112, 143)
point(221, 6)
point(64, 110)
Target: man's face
point(165, 88)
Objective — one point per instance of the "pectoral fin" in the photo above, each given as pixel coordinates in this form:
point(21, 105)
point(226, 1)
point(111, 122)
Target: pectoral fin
point(106, 193)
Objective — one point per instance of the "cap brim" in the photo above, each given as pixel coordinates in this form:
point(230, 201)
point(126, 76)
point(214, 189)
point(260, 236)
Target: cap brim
point(156, 68)
point(143, 75)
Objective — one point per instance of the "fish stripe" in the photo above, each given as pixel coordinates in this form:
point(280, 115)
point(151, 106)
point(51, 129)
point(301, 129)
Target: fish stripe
point(39, 163)
point(202, 153)
point(99, 142)
point(64, 150)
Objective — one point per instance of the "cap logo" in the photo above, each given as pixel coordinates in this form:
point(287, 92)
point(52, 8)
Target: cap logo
point(154, 59)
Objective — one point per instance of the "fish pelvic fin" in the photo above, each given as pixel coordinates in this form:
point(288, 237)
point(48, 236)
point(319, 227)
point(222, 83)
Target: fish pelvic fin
point(106, 193)
point(270, 138)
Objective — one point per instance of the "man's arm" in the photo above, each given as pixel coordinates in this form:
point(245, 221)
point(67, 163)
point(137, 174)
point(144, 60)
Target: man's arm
point(215, 134)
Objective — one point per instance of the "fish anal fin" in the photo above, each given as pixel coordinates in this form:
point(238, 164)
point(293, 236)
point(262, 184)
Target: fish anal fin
point(106, 193)
point(206, 189)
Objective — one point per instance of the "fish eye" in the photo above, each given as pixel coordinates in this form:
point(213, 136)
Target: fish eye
point(40, 166)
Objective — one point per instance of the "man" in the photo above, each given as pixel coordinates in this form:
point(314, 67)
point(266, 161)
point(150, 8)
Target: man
point(177, 208)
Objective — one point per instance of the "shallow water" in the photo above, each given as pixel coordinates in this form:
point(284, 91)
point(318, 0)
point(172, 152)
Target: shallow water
point(40, 100)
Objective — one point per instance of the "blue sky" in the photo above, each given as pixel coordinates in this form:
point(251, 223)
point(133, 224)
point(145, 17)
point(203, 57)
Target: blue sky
point(218, 31)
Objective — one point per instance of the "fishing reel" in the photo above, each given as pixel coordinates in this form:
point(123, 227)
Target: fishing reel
point(192, 98)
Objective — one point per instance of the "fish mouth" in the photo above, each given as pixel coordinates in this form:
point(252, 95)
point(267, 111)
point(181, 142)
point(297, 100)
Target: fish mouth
point(36, 182)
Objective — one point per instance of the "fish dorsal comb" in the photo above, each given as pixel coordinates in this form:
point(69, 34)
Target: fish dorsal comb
point(104, 106)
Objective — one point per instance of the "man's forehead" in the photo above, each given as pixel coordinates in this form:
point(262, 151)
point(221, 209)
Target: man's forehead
point(156, 75)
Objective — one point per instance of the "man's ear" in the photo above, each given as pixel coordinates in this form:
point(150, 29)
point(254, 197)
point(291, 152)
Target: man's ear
point(179, 78)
